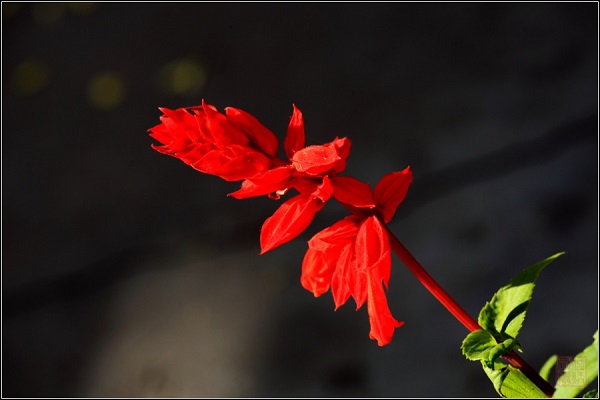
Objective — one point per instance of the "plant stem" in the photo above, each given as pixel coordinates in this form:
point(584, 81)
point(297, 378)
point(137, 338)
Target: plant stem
point(459, 313)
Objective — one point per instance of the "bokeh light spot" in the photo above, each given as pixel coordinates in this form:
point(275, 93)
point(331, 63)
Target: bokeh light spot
point(106, 91)
point(185, 76)
point(29, 77)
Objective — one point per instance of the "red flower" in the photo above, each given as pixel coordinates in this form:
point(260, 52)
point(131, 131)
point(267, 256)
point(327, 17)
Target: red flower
point(311, 171)
point(353, 255)
point(234, 146)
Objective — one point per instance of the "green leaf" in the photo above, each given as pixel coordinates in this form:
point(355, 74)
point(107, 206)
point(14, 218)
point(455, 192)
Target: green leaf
point(510, 382)
point(502, 349)
point(592, 394)
point(516, 384)
point(481, 345)
point(496, 375)
point(547, 367)
point(580, 372)
point(503, 316)
point(478, 344)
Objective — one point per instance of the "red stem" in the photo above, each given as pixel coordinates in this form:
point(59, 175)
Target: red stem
point(459, 313)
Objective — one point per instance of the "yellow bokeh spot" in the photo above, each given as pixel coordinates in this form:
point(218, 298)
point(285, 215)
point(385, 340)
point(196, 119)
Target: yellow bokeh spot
point(106, 91)
point(184, 76)
point(29, 77)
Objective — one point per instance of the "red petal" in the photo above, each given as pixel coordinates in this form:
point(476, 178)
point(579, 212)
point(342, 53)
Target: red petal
point(233, 163)
point(306, 184)
point(324, 251)
point(260, 137)
point(178, 132)
point(391, 191)
point(318, 265)
point(295, 138)
point(357, 281)
point(248, 189)
point(351, 191)
point(341, 233)
point(315, 160)
point(215, 124)
point(191, 153)
point(324, 190)
point(316, 272)
point(204, 138)
point(372, 251)
point(342, 148)
point(180, 124)
point(290, 219)
point(340, 284)
point(328, 259)
point(268, 182)
point(380, 317)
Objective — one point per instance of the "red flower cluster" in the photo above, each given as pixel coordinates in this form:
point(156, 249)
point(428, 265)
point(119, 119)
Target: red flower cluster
point(353, 255)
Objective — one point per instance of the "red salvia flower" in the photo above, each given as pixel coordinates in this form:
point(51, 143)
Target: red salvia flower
point(311, 171)
point(234, 146)
point(352, 257)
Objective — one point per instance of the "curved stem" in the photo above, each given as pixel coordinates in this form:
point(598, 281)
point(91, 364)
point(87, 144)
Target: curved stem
point(459, 313)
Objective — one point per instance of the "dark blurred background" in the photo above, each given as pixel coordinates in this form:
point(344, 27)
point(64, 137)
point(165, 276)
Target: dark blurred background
point(127, 273)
